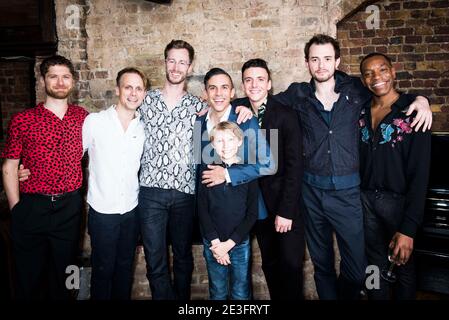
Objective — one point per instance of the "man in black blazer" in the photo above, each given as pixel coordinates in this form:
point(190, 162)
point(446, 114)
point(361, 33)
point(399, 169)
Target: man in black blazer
point(281, 234)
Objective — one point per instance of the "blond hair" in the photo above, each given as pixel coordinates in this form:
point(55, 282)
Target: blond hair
point(226, 125)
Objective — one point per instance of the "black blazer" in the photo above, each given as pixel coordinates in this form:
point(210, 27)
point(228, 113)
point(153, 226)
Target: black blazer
point(281, 191)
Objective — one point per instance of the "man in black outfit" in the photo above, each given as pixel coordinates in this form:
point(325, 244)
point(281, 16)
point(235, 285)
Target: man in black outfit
point(281, 234)
point(394, 168)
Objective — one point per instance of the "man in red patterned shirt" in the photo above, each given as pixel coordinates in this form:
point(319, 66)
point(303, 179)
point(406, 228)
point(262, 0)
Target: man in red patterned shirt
point(46, 208)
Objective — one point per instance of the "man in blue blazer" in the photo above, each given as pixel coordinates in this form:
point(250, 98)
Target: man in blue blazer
point(255, 153)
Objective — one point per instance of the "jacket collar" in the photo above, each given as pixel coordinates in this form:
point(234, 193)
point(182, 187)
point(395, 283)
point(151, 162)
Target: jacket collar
point(232, 115)
point(402, 103)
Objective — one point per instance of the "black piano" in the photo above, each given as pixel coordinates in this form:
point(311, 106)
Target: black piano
point(432, 241)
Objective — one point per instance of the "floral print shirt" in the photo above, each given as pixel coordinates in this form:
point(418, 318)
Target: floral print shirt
point(396, 159)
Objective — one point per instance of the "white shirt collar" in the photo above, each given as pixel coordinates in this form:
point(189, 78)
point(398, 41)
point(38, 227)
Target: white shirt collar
point(224, 117)
point(113, 111)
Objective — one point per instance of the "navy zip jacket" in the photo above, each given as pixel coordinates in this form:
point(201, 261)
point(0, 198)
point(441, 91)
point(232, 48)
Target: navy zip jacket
point(330, 139)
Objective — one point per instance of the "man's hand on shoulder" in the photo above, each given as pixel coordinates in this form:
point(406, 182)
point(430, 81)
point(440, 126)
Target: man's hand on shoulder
point(423, 117)
point(243, 113)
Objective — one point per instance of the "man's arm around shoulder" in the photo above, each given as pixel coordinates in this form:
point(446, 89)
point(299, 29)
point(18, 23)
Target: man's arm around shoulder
point(258, 150)
point(294, 91)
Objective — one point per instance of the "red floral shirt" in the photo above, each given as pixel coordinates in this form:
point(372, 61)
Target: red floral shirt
point(50, 147)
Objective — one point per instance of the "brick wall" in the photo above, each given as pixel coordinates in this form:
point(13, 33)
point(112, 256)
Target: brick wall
point(14, 91)
point(72, 43)
point(110, 35)
point(225, 33)
point(415, 34)
point(102, 36)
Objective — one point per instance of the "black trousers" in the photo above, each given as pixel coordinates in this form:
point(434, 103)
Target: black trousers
point(113, 238)
point(383, 213)
point(45, 236)
point(282, 258)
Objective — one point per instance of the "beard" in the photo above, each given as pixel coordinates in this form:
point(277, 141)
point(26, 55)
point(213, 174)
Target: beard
point(172, 81)
point(58, 94)
point(322, 78)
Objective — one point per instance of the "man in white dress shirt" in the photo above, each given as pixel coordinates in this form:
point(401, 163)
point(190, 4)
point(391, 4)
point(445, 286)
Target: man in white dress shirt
point(114, 139)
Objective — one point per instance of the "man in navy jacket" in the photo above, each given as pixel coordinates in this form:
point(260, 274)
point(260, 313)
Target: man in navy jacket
point(329, 108)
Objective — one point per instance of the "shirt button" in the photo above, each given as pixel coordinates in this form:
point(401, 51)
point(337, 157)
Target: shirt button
point(330, 131)
point(328, 151)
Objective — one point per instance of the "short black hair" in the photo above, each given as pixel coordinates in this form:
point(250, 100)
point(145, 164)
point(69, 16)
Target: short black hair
point(56, 60)
point(131, 70)
point(213, 72)
point(322, 39)
point(180, 44)
point(375, 54)
point(256, 63)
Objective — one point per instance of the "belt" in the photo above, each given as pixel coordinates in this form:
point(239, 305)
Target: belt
point(55, 197)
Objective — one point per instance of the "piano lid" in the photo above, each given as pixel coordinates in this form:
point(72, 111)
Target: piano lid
point(439, 166)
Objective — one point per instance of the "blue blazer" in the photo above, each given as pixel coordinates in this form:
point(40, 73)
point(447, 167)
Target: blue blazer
point(255, 152)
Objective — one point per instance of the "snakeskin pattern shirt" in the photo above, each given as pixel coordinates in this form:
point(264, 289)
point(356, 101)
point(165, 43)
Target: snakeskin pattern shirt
point(167, 161)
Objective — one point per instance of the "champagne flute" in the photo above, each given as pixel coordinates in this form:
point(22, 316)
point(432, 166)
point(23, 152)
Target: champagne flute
point(388, 274)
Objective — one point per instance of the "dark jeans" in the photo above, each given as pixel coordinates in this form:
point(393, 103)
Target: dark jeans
point(233, 280)
point(383, 214)
point(327, 211)
point(45, 237)
point(282, 258)
point(167, 214)
point(113, 240)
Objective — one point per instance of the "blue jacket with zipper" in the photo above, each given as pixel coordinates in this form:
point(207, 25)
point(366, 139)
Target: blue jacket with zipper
point(330, 139)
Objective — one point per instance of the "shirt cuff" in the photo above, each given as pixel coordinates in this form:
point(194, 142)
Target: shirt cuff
point(409, 228)
point(236, 238)
point(212, 236)
point(227, 177)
